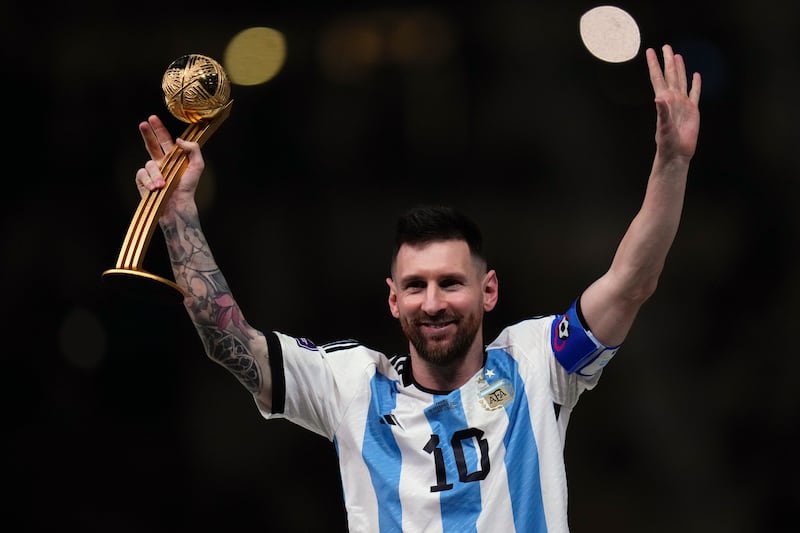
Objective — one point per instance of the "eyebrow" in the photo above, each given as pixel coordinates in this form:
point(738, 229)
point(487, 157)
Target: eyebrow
point(407, 280)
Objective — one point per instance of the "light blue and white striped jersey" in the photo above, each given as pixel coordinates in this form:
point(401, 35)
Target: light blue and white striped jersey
point(486, 457)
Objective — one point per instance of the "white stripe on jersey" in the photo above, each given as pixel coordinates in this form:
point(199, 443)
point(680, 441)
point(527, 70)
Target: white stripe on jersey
point(418, 474)
point(496, 485)
point(359, 495)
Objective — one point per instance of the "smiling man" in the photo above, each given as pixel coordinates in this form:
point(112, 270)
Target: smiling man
point(439, 290)
point(456, 435)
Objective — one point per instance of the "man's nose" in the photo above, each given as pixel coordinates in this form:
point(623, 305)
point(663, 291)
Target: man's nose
point(434, 300)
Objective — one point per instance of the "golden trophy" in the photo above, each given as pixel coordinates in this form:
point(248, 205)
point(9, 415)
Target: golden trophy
point(196, 91)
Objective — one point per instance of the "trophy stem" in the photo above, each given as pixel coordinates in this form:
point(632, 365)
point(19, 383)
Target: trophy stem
point(128, 271)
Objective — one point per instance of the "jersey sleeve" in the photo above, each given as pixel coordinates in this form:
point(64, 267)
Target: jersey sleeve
point(312, 385)
point(575, 347)
point(557, 353)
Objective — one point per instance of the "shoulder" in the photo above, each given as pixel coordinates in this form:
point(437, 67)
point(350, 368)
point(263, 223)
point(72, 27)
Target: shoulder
point(335, 349)
point(350, 350)
point(346, 355)
point(530, 331)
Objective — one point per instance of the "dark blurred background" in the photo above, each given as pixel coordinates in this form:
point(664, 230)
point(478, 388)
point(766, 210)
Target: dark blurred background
point(114, 419)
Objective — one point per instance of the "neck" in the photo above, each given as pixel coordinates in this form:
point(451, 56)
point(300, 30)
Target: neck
point(450, 376)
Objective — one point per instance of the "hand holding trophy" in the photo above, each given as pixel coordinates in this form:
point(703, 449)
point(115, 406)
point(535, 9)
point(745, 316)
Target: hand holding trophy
point(197, 91)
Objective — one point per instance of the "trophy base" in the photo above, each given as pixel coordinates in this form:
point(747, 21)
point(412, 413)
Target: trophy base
point(144, 285)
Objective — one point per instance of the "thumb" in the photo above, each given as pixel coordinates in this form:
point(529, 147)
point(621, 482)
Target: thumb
point(192, 150)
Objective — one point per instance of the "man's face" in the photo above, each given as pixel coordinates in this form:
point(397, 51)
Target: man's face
point(440, 294)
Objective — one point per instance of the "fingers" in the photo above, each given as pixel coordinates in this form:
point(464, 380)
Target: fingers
point(668, 78)
point(674, 74)
point(680, 71)
point(193, 153)
point(157, 139)
point(697, 83)
point(160, 146)
point(150, 177)
point(653, 66)
point(670, 70)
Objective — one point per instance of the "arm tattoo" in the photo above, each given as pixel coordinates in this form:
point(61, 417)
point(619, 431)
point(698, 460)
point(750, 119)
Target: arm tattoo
point(226, 336)
point(229, 351)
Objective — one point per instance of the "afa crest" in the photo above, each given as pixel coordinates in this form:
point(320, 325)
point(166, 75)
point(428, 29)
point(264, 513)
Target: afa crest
point(497, 395)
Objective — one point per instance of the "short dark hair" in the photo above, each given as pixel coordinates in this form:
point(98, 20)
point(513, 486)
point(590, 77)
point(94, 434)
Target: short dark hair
point(430, 223)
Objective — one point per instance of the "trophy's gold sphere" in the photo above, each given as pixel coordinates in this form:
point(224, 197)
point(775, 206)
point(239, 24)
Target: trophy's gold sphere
point(195, 88)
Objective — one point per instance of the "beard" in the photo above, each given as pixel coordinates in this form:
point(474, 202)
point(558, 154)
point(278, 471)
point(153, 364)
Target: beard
point(436, 349)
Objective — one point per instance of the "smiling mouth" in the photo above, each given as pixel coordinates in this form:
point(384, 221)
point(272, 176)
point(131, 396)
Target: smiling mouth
point(436, 325)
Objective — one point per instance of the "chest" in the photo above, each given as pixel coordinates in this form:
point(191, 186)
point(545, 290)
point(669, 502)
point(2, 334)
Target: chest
point(442, 440)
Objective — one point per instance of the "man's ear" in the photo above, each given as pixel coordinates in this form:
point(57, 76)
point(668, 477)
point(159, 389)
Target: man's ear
point(392, 298)
point(490, 290)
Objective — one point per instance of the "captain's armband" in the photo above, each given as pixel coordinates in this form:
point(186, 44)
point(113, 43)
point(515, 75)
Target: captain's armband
point(575, 347)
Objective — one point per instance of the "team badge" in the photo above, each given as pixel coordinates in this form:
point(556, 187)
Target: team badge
point(563, 328)
point(496, 395)
point(305, 343)
point(560, 333)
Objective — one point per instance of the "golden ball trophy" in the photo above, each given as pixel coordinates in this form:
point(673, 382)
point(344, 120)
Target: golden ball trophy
point(196, 91)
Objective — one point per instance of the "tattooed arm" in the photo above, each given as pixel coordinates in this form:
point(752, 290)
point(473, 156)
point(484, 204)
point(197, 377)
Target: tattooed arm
point(227, 337)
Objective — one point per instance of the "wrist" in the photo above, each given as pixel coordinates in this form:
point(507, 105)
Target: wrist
point(182, 201)
point(671, 162)
point(179, 205)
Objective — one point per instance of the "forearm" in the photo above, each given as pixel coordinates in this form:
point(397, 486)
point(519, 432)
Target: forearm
point(611, 303)
point(189, 253)
point(227, 338)
point(641, 255)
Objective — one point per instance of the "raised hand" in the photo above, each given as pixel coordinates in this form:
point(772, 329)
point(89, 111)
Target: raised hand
point(158, 142)
point(678, 115)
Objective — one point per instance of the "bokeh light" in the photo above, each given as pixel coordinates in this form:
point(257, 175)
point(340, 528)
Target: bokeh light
point(255, 55)
point(355, 45)
point(610, 34)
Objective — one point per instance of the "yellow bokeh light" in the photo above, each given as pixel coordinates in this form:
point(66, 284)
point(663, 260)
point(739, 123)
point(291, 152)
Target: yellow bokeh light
point(255, 55)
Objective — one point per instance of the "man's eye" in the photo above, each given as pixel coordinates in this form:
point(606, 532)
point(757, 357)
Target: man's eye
point(451, 283)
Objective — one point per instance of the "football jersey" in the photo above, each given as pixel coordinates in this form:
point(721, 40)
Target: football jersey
point(486, 457)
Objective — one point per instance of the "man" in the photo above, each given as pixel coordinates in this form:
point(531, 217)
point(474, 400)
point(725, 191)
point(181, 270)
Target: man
point(456, 435)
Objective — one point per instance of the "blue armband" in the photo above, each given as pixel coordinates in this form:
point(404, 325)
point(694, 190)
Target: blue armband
point(574, 345)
